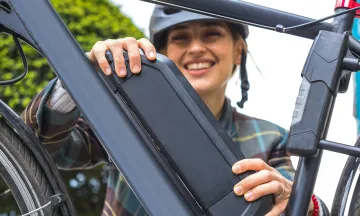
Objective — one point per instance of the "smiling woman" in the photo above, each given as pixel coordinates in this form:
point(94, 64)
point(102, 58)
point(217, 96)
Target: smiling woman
point(207, 53)
point(206, 50)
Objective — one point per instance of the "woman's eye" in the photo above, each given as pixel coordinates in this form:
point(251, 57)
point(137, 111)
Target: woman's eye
point(213, 34)
point(179, 37)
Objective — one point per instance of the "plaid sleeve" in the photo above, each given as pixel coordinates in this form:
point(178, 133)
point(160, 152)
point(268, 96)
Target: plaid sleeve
point(280, 159)
point(67, 137)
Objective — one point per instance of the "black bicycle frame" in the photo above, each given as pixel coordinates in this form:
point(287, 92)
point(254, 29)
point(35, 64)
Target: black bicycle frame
point(248, 13)
point(37, 23)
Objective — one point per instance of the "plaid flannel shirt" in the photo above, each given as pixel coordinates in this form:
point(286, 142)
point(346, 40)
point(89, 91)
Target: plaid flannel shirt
point(73, 145)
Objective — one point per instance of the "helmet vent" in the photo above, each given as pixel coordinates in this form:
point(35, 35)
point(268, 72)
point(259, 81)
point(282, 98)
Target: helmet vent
point(170, 11)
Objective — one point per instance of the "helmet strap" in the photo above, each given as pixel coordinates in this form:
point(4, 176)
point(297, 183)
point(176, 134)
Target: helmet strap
point(245, 85)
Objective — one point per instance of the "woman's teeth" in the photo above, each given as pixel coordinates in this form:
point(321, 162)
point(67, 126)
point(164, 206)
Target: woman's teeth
point(198, 66)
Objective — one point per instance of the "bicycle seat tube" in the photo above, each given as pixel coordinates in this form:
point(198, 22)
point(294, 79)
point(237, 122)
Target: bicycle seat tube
point(321, 78)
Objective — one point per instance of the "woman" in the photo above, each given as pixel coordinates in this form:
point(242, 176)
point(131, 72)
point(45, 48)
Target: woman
point(207, 51)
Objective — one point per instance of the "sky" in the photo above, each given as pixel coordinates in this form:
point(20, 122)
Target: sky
point(272, 95)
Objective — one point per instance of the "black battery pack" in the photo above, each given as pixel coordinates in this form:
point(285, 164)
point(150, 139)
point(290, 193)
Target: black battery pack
point(191, 141)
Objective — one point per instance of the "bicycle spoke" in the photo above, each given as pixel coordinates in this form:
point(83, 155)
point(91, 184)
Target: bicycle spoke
point(55, 200)
point(38, 209)
point(5, 192)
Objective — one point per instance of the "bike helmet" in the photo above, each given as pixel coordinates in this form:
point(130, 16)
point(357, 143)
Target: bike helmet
point(164, 17)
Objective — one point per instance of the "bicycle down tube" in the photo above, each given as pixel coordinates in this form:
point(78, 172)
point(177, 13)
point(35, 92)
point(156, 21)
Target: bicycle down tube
point(133, 158)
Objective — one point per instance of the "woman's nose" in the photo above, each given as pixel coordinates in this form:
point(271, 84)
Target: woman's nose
point(196, 47)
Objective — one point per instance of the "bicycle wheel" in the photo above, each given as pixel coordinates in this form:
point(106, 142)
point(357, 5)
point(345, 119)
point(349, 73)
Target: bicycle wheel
point(24, 176)
point(345, 187)
point(354, 209)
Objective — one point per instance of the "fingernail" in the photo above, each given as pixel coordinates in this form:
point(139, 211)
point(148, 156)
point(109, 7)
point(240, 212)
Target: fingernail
point(238, 190)
point(122, 72)
point(108, 71)
point(136, 68)
point(248, 195)
point(236, 168)
point(151, 54)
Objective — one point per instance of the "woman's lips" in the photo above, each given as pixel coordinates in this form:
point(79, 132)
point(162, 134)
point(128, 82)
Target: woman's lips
point(199, 68)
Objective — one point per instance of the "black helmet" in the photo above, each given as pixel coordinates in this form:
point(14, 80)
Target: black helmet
point(164, 17)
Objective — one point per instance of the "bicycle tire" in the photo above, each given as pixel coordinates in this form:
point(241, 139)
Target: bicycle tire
point(24, 175)
point(344, 187)
point(354, 209)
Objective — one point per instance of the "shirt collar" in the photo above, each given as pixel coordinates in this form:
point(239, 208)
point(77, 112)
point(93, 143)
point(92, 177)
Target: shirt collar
point(226, 118)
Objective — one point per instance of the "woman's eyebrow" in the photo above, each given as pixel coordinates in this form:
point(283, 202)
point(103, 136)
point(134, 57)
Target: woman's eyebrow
point(212, 24)
point(205, 24)
point(180, 27)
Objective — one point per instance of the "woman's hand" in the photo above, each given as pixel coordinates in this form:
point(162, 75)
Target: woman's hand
point(267, 180)
point(116, 46)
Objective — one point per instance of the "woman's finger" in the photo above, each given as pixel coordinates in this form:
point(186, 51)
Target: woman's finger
point(148, 48)
point(273, 187)
point(278, 209)
point(256, 179)
point(251, 164)
point(98, 51)
point(131, 45)
point(116, 48)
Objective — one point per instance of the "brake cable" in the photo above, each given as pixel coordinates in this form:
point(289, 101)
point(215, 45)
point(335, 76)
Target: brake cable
point(23, 57)
point(282, 29)
point(5, 7)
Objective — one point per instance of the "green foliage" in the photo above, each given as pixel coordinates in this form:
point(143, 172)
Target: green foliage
point(88, 20)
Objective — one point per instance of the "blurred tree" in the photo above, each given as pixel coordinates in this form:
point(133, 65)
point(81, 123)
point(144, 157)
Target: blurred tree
point(89, 21)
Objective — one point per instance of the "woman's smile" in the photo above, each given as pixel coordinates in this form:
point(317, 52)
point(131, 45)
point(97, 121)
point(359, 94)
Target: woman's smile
point(199, 67)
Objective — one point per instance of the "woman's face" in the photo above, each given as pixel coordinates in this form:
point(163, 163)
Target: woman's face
point(205, 52)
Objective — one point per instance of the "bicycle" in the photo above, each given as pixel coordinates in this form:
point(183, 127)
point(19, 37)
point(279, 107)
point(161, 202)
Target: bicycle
point(25, 20)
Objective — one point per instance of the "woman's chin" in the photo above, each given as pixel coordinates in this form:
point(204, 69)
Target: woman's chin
point(203, 85)
point(201, 89)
